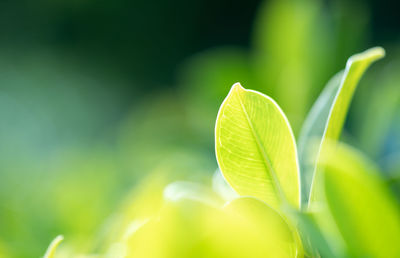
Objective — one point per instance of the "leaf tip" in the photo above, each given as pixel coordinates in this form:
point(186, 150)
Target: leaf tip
point(53, 246)
point(372, 54)
point(237, 87)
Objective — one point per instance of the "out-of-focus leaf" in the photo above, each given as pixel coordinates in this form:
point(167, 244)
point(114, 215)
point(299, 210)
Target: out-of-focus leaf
point(221, 187)
point(292, 41)
point(255, 148)
point(53, 246)
point(142, 203)
point(336, 109)
point(362, 207)
point(192, 229)
point(276, 229)
point(181, 190)
point(314, 241)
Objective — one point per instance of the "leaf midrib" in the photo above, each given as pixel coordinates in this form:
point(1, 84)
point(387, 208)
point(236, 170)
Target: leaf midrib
point(267, 161)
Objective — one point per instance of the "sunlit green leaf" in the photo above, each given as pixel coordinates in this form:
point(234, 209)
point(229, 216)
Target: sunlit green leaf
point(314, 241)
point(362, 207)
point(327, 116)
point(53, 246)
point(255, 148)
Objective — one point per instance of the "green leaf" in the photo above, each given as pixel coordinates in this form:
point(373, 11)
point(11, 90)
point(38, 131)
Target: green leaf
point(53, 246)
point(361, 205)
point(313, 239)
point(255, 148)
point(312, 131)
point(326, 118)
point(276, 231)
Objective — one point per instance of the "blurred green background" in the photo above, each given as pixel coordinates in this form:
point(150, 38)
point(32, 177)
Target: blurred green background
point(95, 96)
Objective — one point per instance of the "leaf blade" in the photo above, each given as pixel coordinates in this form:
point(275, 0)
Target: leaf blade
point(255, 147)
point(333, 123)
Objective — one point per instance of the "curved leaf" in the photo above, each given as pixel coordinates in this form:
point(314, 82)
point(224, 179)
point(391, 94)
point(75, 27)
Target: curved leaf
point(329, 113)
point(255, 148)
point(53, 246)
point(313, 130)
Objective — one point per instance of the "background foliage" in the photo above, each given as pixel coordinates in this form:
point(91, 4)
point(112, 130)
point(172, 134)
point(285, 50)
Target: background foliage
point(99, 99)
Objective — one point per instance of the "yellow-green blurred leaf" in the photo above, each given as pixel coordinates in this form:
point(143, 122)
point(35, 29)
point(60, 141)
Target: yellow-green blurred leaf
point(292, 41)
point(192, 229)
point(276, 231)
point(255, 148)
point(361, 205)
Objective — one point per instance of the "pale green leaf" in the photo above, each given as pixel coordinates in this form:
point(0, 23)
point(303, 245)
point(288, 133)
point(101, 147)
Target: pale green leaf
point(326, 118)
point(355, 68)
point(361, 205)
point(313, 130)
point(255, 148)
point(53, 246)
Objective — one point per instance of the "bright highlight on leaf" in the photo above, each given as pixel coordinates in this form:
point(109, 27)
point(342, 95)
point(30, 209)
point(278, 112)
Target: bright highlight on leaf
point(53, 246)
point(326, 118)
point(255, 148)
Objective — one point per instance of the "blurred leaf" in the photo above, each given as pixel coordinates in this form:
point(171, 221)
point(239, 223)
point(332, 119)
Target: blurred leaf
point(53, 246)
point(292, 41)
point(255, 148)
point(338, 106)
point(181, 190)
point(314, 241)
point(191, 229)
point(363, 208)
point(141, 203)
point(275, 227)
